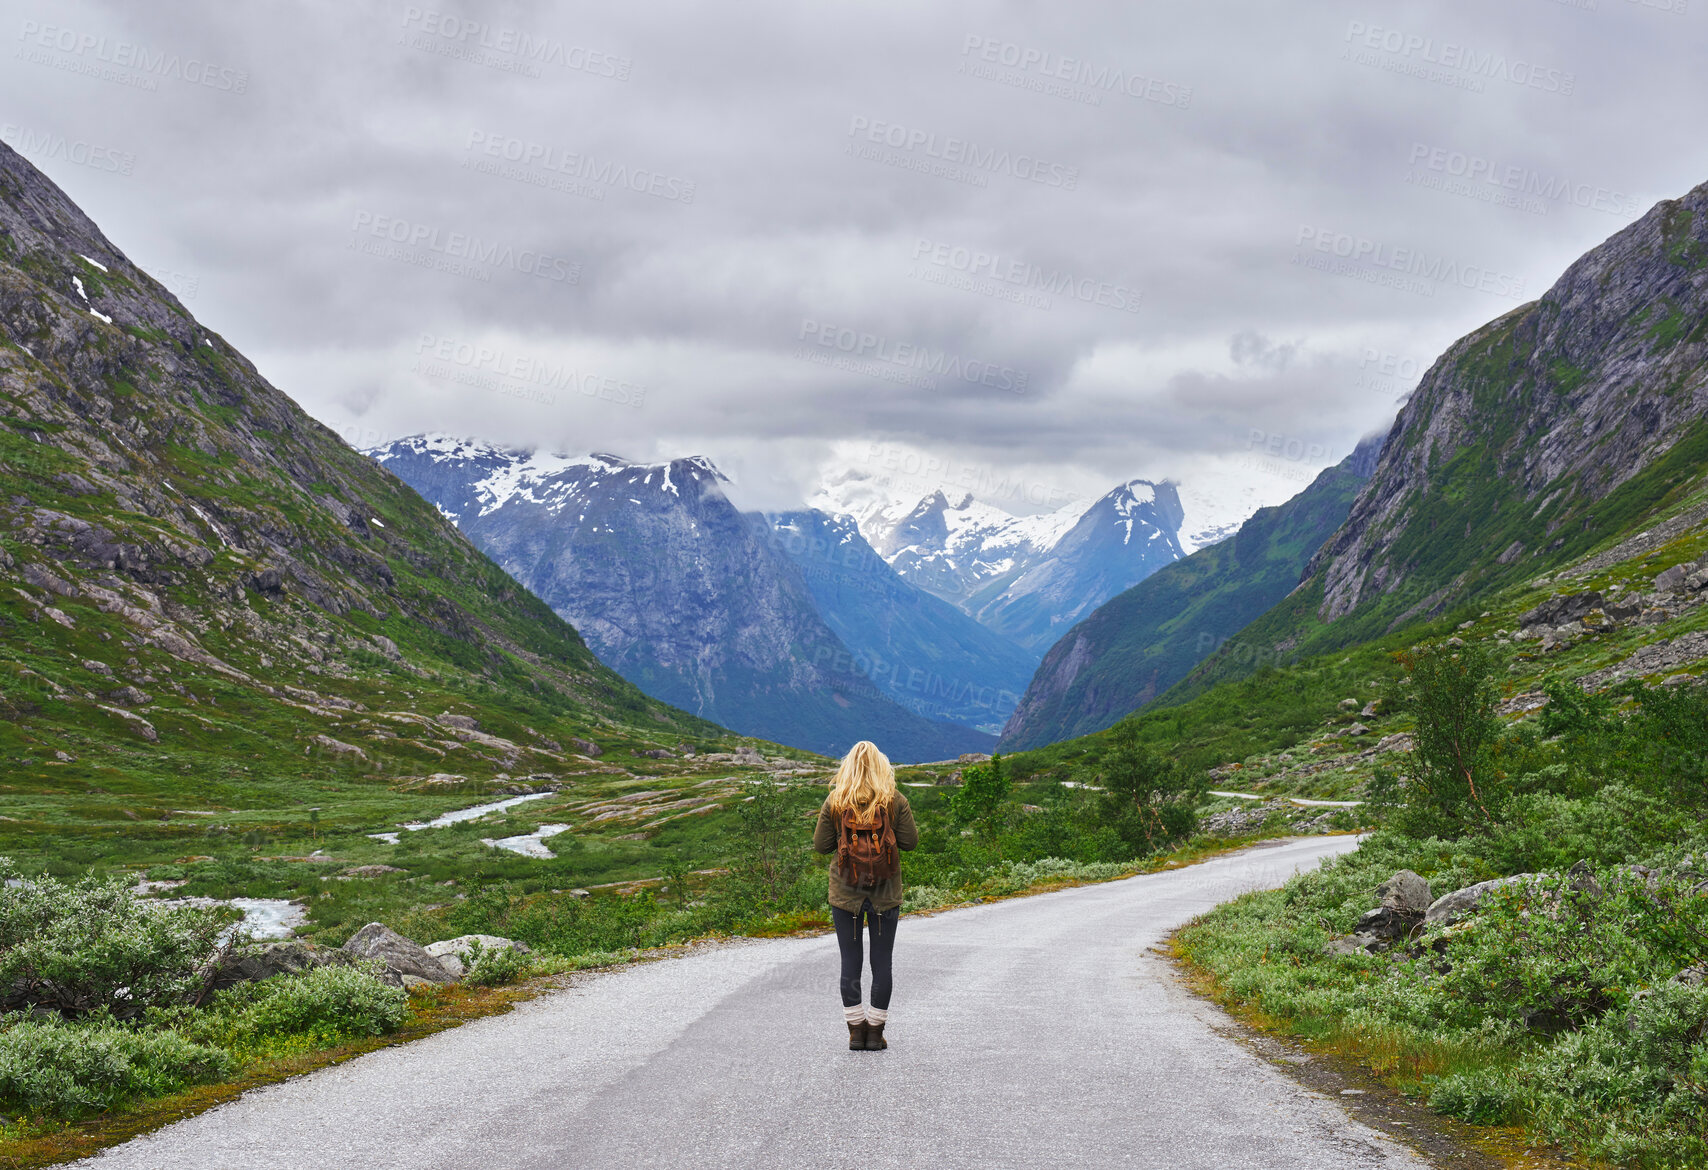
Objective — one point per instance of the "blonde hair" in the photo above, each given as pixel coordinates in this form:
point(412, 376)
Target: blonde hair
point(864, 778)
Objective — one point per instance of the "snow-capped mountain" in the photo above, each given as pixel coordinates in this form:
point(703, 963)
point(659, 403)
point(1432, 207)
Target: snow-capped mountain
point(1026, 577)
point(1120, 540)
point(673, 587)
point(951, 549)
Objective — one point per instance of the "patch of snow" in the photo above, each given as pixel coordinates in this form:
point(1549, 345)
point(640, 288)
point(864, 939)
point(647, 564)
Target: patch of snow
point(376, 521)
point(77, 283)
point(101, 315)
point(93, 261)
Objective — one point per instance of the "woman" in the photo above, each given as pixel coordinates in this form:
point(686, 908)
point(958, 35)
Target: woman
point(864, 821)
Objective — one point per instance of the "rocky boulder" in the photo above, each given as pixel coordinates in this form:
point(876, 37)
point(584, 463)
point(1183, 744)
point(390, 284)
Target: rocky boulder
point(1452, 907)
point(290, 957)
point(405, 963)
point(1362, 943)
point(453, 953)
point(1561, 609)
point(1403, 900)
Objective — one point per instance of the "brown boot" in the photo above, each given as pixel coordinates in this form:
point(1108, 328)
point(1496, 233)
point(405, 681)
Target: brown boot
point(875, 1038)
point(857, 1036)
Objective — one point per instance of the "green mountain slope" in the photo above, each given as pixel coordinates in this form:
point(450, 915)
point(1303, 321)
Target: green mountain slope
point(208, 599)
point(1141, 642)
point(1531, 440)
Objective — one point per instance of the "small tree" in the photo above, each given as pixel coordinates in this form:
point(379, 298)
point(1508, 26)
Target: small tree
point(1148, 799)
point(1449, 784)
point(770, 859)
point(983, 789)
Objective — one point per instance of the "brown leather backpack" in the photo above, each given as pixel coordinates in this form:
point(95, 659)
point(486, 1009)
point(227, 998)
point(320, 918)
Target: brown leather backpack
point(867, 852)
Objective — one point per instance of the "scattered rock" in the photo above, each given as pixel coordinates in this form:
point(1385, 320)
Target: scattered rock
point(973, 758)
point(338, 747)
point(1561, 608)
point(451, 719)
point(369, 871)
point(1356, 944)
point(1403, 742)
point(1369, 711)
point(97, 667)
point(1236, 822)
point(289, 957)
point(130, 696)
point(1451, 907)
point(1358, 729)
point(657, 754)
point(1407, 893)
point(1349, 704)
point(586, 747)
point(453, 953)
point(402, 958)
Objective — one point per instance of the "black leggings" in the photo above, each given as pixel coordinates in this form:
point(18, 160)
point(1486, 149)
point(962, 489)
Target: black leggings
point(883, 927)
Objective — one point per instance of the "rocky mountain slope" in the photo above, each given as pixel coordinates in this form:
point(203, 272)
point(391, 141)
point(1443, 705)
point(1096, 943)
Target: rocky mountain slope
point(1138, 644)
point(197, 580)
point(916, 648)
point(1530, 442)
point(673, 587)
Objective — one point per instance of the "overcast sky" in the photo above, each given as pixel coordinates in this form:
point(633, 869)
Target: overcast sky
point(1031, 249)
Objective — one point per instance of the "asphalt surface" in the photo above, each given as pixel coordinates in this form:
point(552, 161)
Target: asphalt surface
point(1037, 1032)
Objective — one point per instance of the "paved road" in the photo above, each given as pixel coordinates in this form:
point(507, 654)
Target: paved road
point(1038, 1032)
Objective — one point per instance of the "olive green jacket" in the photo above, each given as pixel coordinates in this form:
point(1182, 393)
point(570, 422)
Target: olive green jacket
point(886, 895)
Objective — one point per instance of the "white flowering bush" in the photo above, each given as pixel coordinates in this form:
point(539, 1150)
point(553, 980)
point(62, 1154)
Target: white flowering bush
point(97, 945)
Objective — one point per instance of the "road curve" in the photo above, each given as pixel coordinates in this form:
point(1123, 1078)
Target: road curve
point(1037, 1032)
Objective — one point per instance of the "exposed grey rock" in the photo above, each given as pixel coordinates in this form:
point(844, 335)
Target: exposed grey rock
point(1450, 908)
point(1236, 822)
point(400, 956)
point(1356, 944)
point(1358, 729)
point(453, 953)
point(586, 747)
point(1561, 609)
point(464, 722)
point(1407, 893)
point(1401, 742)
point(288, 957)
point(129, 696)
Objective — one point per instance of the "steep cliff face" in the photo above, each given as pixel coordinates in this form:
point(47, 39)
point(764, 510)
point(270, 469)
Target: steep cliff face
point(1141, 642)
point(190, 561)
point(1508, 457)
point(674, 588)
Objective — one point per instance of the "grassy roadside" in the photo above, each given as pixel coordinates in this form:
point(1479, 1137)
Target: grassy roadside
point(1342, 1059)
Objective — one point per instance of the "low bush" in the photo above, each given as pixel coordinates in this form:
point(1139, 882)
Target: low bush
point(96, 945)
point(496, 966)
point(327, 1003)
point(52, 1067)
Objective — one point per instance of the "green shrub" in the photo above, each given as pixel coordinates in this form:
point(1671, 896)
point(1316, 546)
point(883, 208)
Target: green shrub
point(983, 788)
point(327, 1003)
point(1555, 953)
point(50, 1067)
point(496, 966)
point(97, 945)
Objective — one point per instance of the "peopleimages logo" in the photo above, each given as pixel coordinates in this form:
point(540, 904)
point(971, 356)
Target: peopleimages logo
point(476, 40)
point(550, 160)
point(44, 146)
point(152, 63)
point(1519, 181)
point(1409, 262)
point(1053, 67)
point(516, 375)
point(977, 264)
point(860, 347)
point(959, 152)
point(434, 247)
point(1419, 52)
